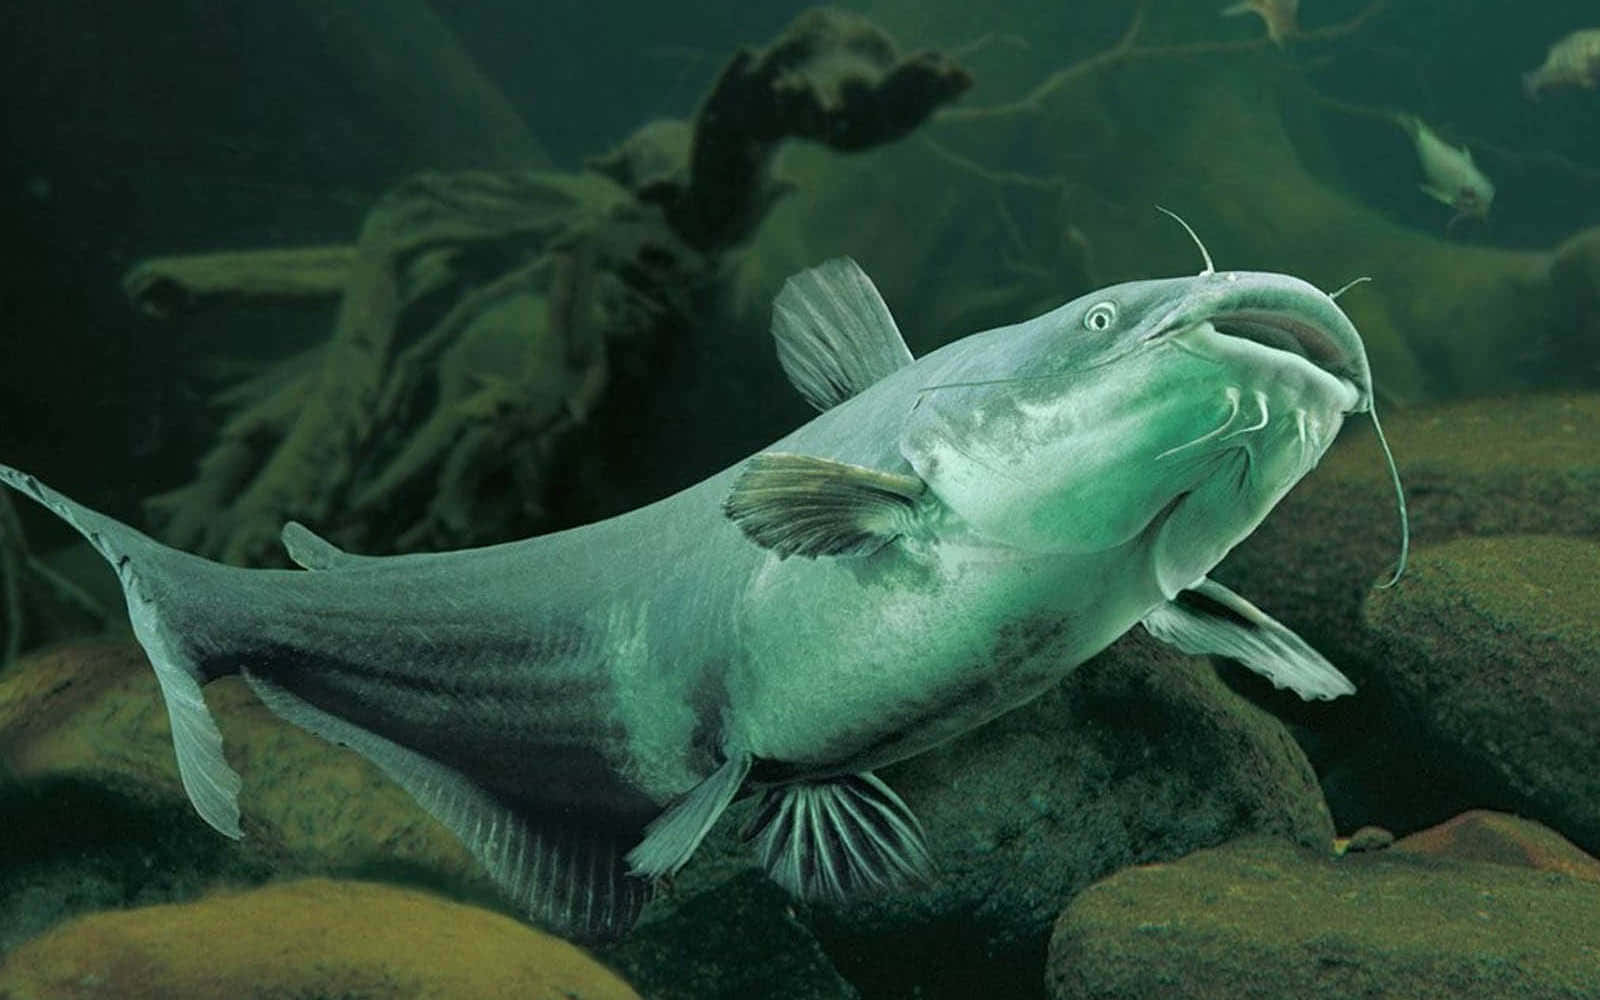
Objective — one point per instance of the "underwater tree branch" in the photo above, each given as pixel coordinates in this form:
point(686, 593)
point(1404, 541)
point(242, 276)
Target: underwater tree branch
point(167, 287)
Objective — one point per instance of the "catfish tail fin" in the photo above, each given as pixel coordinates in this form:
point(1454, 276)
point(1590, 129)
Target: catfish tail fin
point(150, 574)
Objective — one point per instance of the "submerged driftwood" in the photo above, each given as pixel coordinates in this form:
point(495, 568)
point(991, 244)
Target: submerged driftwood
point(485, 315)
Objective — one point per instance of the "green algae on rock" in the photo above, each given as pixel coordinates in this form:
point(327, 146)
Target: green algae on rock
point(1502, 839)
point(1263, 918)
point(88, 717)
point(1485, 467)
point(1493, 647)
point(305, 939)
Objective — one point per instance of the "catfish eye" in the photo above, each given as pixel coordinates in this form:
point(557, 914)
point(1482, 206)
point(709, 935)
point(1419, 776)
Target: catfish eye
point(1100, 316)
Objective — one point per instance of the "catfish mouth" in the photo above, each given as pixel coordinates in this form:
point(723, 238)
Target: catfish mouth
point(1289, 332)
point(1328, 348)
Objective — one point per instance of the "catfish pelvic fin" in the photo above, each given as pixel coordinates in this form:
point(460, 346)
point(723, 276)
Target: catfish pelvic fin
point(672, 838)
point(1208, 618)
point(807, 506)
point(833, 839)
point(835, 336)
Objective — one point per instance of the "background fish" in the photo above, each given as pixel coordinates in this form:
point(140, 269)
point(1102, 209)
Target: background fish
point(1449, 175)
point(1574, 61)
point(1282, 17)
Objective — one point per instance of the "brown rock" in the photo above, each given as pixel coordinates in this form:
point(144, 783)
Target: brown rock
point(1369, 838)
point(1502, 839)
point(92, 711)
point(301, 939)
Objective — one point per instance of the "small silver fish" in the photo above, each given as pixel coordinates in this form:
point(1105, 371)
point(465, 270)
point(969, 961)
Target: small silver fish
point(1282, 17)
point(1449, 174)
point(1572, 62)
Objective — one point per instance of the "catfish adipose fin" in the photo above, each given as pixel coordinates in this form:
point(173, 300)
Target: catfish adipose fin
point(1208, 618)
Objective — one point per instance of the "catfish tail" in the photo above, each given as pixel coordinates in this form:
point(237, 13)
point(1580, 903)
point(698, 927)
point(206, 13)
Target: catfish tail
point(167, 593)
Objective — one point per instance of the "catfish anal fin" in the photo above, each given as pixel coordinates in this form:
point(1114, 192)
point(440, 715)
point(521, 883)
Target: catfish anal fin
point(833, 839)
point(564, 874)
point(834, 335)
point(807, 506)
point(1208, 618)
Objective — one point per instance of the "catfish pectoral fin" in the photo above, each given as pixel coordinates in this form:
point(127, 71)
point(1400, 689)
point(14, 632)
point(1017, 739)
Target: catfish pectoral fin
point(1208, 618)
point(832, 839)
point(808, 506)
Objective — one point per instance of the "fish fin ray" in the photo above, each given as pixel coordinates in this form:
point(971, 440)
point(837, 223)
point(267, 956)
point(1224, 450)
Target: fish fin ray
point(1208, 618)
point(834, 839)
point(672, 838)
point(564, 874)
point(834, 334)
point(1234, 10)
point(141, 564)
point(808, 506)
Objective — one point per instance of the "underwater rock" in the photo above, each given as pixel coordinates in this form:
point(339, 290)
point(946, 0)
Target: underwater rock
point(1493, 646)
point(302, 939)
point(1502, 839)
point(1141, 755)
point(1574, 341)
point(1369, 838)
point(85, 746)
point(1487, 467)
point(1260, 917)
point(738, 940)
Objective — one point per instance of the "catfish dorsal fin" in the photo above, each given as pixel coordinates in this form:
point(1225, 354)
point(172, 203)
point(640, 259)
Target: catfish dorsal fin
point(835, 336)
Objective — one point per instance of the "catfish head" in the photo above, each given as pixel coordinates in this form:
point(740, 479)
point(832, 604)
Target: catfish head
point(1177, 410)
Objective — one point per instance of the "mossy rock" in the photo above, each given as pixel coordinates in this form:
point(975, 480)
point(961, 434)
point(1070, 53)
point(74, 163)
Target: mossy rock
point(312, 938)
point(95, 814)
point(1481, 468)
point(1264, 918)
point(1493, 646)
